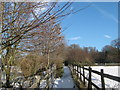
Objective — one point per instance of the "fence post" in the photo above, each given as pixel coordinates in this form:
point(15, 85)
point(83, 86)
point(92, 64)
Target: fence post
point(102, 80)
point(77, 71)
point(80, 73)
point(73, 68)
point(89, 81)
point(83, 75)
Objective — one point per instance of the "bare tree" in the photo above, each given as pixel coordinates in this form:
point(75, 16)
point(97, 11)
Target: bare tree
point(76, 54)
point(19, 18)
point(46, 41)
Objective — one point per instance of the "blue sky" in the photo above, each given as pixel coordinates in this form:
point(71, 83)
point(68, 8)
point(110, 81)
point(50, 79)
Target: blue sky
point(94, 26)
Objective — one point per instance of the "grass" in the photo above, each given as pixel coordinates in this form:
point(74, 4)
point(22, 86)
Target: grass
point(78, 83)
point(59, 72)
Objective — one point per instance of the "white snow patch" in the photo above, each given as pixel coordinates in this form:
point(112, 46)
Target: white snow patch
point(43, 84)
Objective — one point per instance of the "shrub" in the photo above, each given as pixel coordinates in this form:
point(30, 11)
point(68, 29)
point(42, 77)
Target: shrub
point(59, 68)
point(31, 64)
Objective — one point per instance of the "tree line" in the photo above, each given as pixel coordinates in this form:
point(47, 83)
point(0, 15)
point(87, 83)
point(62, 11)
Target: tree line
point(90, 55)
point(31, 36)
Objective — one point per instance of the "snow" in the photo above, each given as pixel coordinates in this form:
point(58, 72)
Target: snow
point(111, 70)
point(42, 84)
point(66, 81)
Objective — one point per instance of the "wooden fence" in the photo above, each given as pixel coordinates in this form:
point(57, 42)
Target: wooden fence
point(80, 72)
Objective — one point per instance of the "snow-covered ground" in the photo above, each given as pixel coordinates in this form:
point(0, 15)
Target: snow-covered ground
point(66, 81)
point(111, 70)
point(42, 84)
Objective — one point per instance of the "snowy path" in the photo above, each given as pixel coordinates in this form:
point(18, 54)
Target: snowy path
point(66, 81)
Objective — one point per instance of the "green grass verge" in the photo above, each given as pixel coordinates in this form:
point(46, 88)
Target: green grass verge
point(78, 83)
point(59, 72)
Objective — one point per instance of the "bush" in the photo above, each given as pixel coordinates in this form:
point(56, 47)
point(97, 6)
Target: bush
point(59, 68)
point(31, 64)
point(66, 63)
point(59, 72)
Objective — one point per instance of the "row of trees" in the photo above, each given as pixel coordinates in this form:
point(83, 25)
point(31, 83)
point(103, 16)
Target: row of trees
point(90, 55)
point(111, 52)
point(31, 35)
point(78, 54)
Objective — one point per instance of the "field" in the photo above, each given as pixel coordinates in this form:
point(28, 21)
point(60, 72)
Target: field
point(111, 70)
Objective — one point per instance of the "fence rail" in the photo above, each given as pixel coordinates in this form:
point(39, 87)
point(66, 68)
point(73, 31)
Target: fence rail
point(80, 72)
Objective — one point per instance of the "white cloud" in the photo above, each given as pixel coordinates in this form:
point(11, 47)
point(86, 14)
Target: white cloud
point(75, 38)
point(107, 36)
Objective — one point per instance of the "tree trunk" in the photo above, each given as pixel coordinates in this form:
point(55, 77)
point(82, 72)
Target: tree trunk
point(8, 77)
point(8, 80)
point(48, 71)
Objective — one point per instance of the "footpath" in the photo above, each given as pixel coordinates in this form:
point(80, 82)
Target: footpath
point(66, 81)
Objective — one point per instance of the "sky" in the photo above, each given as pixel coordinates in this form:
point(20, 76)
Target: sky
point(95, 26)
